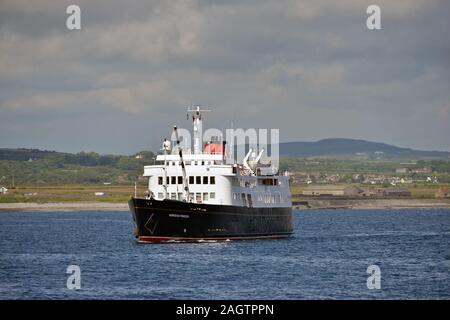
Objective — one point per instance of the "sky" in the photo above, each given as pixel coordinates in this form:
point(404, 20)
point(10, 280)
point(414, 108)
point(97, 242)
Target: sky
point(310, 68)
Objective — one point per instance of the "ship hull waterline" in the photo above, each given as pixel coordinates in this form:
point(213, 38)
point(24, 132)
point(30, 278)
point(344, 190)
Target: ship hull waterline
point(166, 221)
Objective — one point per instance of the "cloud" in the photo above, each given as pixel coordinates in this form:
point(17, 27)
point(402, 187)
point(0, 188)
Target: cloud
point(308, 67)
point(41, 102)
point(133, 99)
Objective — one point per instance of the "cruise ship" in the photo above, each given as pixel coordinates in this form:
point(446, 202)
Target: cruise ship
point(196, 195)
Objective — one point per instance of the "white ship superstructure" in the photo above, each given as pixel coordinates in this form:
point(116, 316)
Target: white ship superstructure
point(210, 180)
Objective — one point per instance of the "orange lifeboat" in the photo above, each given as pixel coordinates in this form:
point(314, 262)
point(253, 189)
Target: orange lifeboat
point(213, 148)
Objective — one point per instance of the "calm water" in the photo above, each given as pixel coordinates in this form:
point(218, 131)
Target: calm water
point(327, 258)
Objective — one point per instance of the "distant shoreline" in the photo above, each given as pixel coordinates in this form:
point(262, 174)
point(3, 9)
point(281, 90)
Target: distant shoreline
point(62, 206)
point(407, 203)
point(315, 204)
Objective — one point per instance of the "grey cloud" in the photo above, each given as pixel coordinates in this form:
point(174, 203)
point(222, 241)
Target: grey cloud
point(310, 68)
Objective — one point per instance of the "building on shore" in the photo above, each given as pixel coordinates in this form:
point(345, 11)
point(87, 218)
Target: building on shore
point(3, 190)
point(402, 170)
point(395, 192)
point(332, 190)
point(368, 193)
point(443, 192)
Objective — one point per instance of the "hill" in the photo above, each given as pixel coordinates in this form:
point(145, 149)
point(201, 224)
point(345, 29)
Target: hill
point(350, 148)
point(42, 167)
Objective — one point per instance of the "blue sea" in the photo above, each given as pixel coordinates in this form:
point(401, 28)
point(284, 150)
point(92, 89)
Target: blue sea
point(327, 258)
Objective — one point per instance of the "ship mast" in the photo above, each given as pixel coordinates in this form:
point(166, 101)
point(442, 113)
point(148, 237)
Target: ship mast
point(166, 148)
point(198, 132)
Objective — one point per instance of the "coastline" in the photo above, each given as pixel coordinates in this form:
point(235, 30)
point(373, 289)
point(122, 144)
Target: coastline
point(385, 203)
point(62, 206)
point(312, 204)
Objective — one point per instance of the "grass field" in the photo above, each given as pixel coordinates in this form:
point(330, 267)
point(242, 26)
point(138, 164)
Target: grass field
point(71, 193)
point(121, 193)
point(418, 191)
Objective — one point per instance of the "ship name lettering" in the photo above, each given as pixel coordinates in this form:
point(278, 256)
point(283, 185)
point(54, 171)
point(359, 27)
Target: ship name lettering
point(174, 215)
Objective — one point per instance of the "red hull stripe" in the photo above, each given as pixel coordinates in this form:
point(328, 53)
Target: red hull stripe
point(147, 239)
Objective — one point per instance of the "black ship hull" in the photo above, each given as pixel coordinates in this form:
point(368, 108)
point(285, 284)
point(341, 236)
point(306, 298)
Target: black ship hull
point(177, 221)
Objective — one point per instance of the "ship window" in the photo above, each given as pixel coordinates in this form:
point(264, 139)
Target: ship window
point(180, 180)
point(160, 195)
point(191, 180)
point(173, 180)
point(160, 180)
point(198, 197)
point(212, 195)
point(268, 182)
point(203, 163)
point(198, 180)
point(167, 180)
point(205, 180)
point(244, 199)
point(205, 196)
point(191, 195)
point(180, 196)
point(173, 196)
point(212, 180)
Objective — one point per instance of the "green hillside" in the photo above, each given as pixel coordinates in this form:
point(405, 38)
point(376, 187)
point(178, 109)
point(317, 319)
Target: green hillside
point(36, 167)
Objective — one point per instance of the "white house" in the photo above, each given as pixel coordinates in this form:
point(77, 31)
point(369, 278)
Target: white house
point(3, 190)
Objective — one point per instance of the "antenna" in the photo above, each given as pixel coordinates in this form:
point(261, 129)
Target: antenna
point(197, 110)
